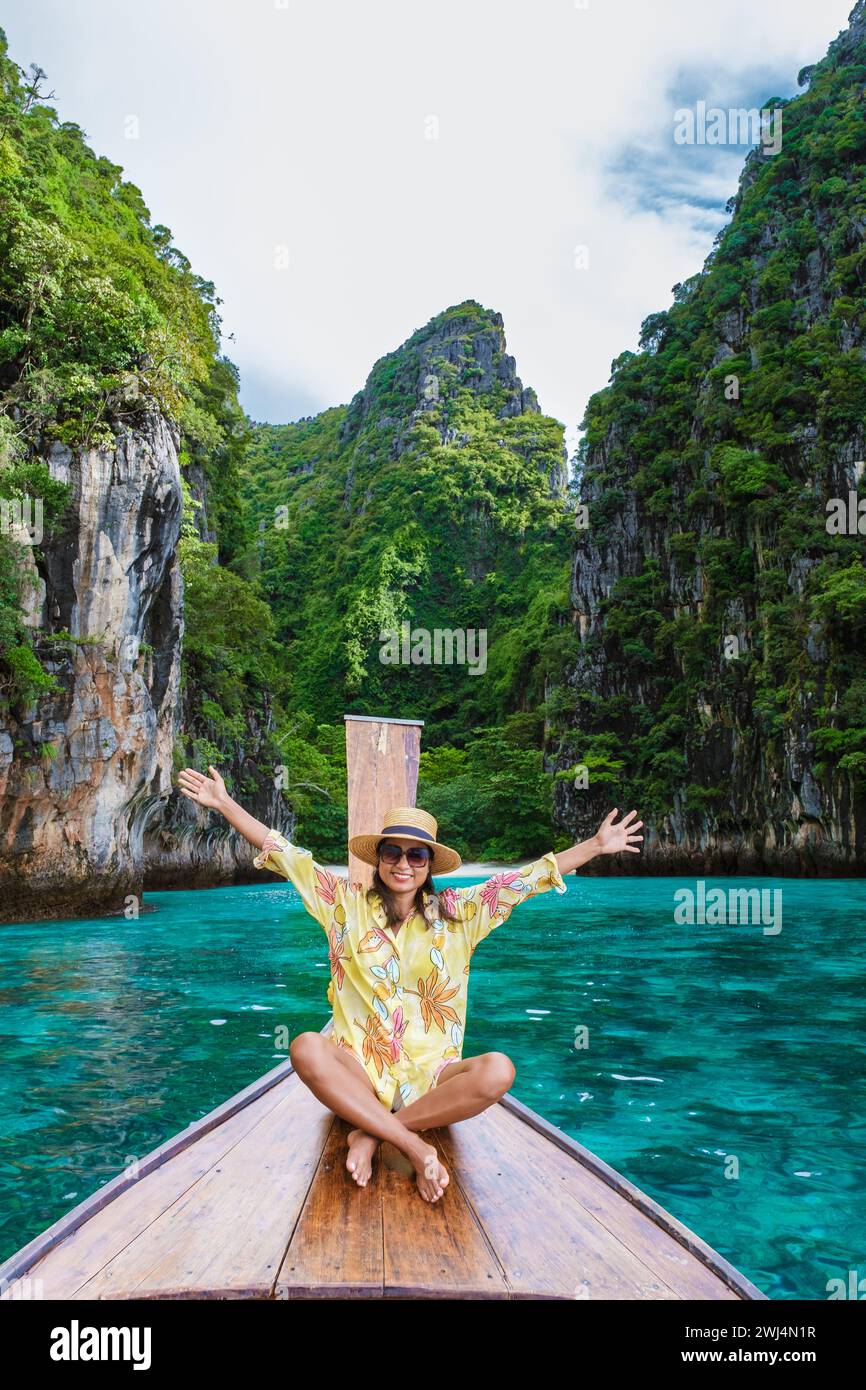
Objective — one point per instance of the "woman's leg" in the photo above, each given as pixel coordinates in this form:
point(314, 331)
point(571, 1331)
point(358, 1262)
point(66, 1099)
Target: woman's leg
point(463, 1089)
point(348, 1091)
point(362, 1146)
point(473, 1084)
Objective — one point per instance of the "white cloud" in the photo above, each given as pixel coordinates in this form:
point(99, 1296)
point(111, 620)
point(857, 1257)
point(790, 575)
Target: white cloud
point(305, 127)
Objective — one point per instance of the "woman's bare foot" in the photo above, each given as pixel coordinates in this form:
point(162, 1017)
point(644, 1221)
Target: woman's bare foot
point(362, 1146)
point(430, 1175)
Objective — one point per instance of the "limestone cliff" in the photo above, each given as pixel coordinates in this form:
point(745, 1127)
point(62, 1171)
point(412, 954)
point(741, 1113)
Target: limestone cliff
point(88, 814)
point(719, 681)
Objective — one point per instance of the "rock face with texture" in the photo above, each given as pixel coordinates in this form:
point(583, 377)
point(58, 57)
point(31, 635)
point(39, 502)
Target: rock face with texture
point(88, 754)
point(457, 345)
point(86, 773)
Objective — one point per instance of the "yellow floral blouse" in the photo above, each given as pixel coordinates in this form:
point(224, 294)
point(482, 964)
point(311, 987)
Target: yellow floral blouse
point(399, 1000)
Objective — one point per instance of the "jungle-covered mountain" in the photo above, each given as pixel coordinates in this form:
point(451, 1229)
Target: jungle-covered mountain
point(436, 502)
point(719, 679)
point(131, 627)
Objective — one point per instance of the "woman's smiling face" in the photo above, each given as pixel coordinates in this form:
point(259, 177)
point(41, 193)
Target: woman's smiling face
point(403, 877)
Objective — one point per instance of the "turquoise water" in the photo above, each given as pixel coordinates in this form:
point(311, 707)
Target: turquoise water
point(706, 1042)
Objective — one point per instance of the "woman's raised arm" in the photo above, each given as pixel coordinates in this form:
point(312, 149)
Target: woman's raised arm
point(211, 792)
point(321, 891)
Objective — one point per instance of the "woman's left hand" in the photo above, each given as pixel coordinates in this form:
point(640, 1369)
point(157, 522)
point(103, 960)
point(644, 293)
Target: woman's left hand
point(612, 839)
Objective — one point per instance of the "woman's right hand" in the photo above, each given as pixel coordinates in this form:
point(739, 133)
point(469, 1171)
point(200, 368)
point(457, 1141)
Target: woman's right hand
point(206, 791)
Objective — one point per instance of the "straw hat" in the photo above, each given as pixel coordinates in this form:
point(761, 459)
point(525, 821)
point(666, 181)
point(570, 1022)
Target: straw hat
point(406, 823)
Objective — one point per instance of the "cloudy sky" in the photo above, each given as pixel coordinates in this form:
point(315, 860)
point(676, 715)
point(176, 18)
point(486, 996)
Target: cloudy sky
point(345, 169)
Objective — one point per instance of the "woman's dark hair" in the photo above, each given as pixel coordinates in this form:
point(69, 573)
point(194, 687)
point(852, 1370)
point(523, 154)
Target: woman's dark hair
point(436, 907)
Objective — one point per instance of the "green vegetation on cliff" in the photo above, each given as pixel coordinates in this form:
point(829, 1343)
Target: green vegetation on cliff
point(717, 447)
point(427, 509)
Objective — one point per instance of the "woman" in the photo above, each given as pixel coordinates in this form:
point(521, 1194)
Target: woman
point(399, 954)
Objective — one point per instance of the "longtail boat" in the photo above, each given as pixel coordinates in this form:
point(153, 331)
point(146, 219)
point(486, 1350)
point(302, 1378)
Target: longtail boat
point(253, 1200)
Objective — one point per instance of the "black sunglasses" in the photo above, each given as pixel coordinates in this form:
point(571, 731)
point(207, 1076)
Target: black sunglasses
point(415, 855)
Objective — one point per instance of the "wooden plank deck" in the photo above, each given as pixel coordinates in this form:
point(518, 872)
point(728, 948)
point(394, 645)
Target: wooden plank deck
point(254, 1201)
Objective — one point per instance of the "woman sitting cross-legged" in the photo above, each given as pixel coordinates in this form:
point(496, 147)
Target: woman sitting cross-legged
point(399, 954)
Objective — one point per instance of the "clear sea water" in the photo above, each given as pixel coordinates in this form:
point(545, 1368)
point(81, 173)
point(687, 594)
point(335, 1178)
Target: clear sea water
point(707, 1044)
